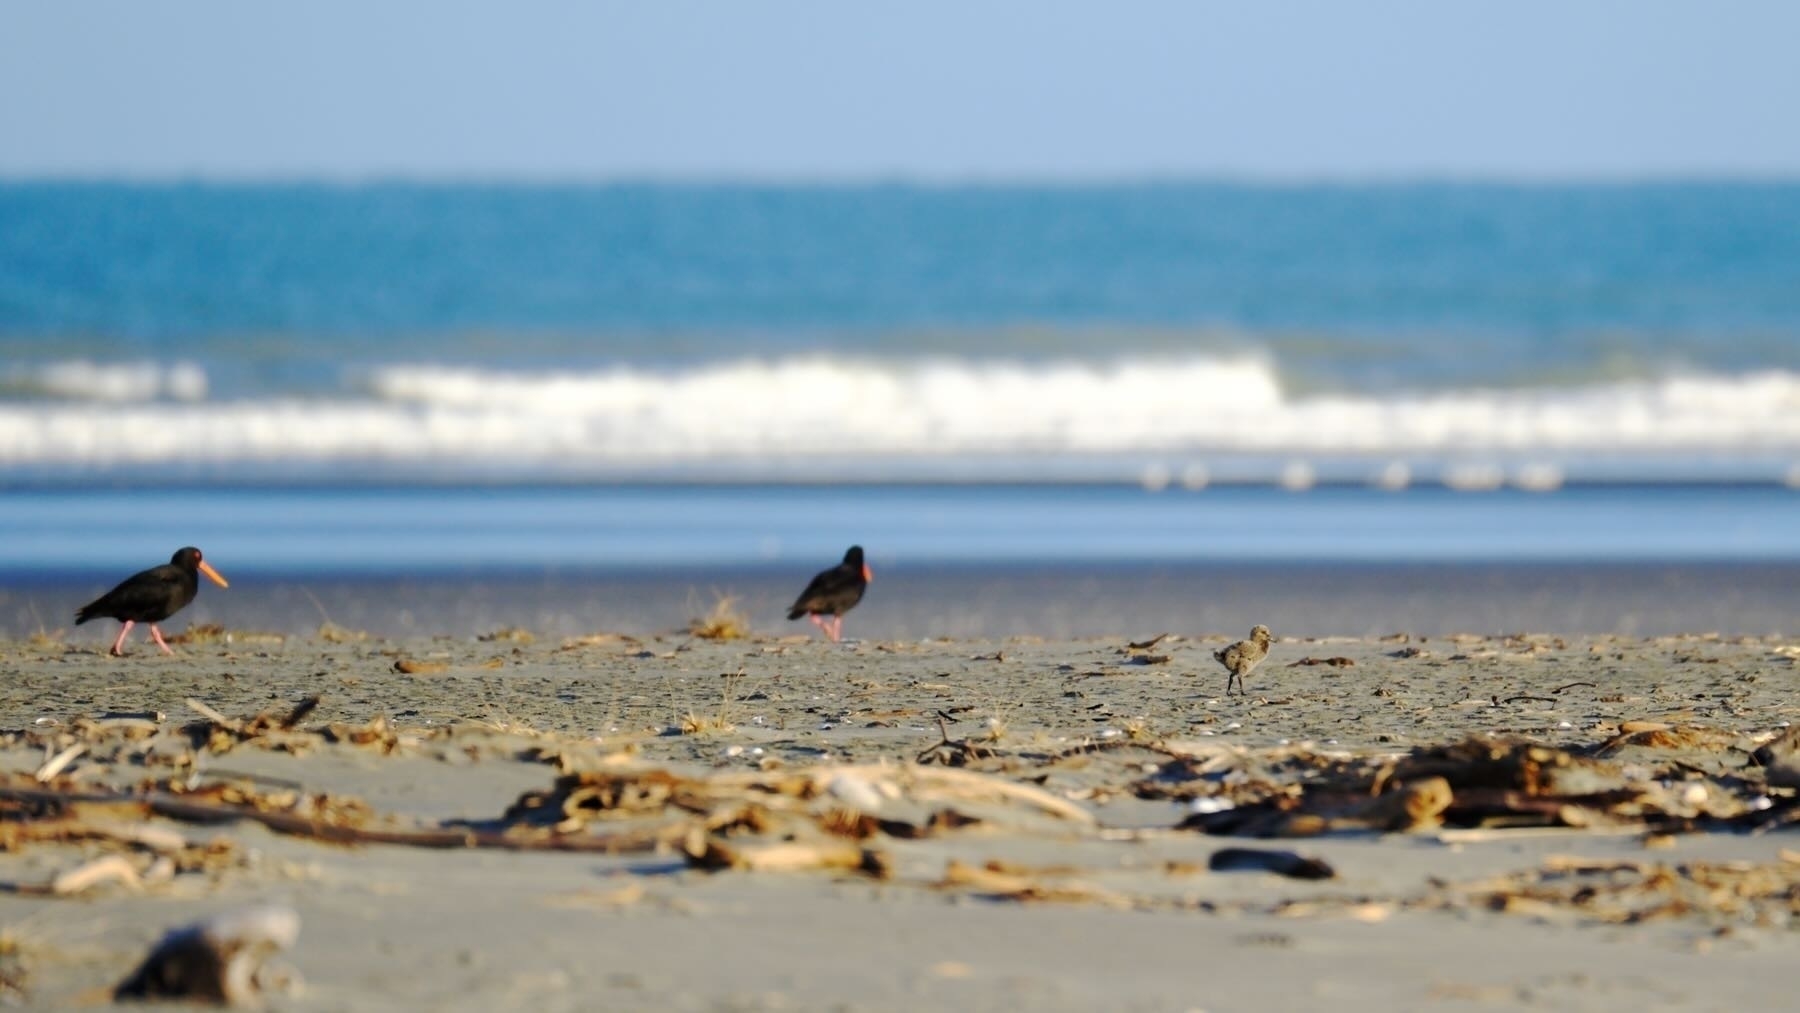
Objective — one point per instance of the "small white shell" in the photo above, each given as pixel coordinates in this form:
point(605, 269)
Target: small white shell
point(855, 791)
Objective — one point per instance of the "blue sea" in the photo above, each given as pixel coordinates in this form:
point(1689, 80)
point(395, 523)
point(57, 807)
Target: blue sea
point(384, 380)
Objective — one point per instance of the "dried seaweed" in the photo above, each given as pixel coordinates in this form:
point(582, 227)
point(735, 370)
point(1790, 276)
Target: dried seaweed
point(1473, 783)
point(1281, 863)
point(1627, 892)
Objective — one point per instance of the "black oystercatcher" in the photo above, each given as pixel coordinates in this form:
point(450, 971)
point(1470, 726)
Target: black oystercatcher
point(834, 592)
point(1243, 656)
point(152, 596)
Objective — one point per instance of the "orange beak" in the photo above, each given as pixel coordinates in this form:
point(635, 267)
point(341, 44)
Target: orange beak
point(206, 568)
point(868, 574)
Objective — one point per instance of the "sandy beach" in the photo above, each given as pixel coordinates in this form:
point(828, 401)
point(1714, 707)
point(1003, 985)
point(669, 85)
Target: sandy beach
point(1071, 872)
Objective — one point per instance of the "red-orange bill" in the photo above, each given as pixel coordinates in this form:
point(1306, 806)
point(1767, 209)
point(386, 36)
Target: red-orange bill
point(206, 568)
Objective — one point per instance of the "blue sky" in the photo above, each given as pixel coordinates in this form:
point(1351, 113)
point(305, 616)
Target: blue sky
point(922, 90)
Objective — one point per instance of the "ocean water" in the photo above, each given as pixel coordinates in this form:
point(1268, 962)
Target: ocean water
point(395, 378)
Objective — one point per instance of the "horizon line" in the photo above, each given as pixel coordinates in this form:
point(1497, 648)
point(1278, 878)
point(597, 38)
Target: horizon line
point(905, 180)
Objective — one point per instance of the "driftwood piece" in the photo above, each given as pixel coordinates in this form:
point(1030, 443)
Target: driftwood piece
point(87, 875)
point(1000, 883)
point(176, 807)
point(58, 763)
point(823, 853)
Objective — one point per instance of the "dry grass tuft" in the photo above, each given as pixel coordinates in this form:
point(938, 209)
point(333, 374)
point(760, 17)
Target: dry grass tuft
point(329, 631)
point(42, 638)
point(724, 622)
point(12, 968)
point(509, 634)
point(705, 724)
point(332, 633)
point(201, 633)
point(720, 722)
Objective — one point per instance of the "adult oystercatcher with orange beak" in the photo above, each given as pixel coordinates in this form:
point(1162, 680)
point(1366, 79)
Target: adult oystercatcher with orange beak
point(152, 596)
point(834, 592)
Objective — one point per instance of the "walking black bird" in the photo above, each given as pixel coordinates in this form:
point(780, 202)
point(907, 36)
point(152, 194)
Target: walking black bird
point(834, 592)
point(152, 596)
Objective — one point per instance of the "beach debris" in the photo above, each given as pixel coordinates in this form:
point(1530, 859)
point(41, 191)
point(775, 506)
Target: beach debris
point(201, 633)
point(224, 960)
point(599, 640)
point(718, 852)
point(1419, 804)
point(577, 798)
point(79, 821)
point(13, 976)
point(412, 666)
point(1000, 881)
point(218, 733)
point(705, 724)
point(1623, 891)
point(100, 871)
point(1474, 783)
point(508, 634)
point(377, 733)
point(629, 895)
point(56, 764)
point(725, 621)
point(214, 633)
point(1333, 662)
point(1281, 863)
point(822, 817)
point(1139, 653)
point(332, 633)
point(720, 722)
point(1661, 735)
point(858, 791)
point(953, 752)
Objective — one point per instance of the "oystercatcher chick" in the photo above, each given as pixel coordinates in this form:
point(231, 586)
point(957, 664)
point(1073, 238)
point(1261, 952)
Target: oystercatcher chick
point(152, 596)
point(834, 592)
point(1243, 656)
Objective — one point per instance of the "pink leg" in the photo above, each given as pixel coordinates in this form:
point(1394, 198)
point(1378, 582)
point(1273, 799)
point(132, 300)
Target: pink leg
point(819, 621)
point(119, 644)
point(157, 634)
point(837, 628)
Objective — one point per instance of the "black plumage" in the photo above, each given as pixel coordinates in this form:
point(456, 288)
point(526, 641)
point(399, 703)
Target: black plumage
point(834, 592)
point(152, 595)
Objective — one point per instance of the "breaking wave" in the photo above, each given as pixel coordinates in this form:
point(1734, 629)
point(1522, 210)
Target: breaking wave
point(755, 414)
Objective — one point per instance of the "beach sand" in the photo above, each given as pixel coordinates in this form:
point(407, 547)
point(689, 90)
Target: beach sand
point(1114, 909)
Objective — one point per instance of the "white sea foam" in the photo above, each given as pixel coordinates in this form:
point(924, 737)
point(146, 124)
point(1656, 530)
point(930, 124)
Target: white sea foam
point(760, 413)
point(83, 380)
